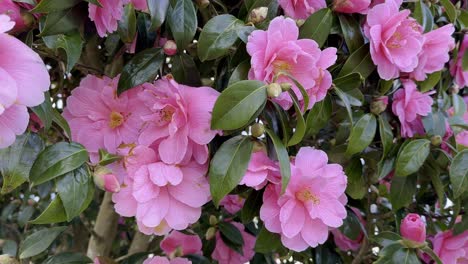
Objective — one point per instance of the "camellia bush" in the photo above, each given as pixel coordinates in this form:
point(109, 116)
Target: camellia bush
point(232, 132)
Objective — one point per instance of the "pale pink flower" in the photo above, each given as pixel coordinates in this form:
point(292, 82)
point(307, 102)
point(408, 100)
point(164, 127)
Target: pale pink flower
point(301, 9)
point(23, 78)
point(232, 203)
point(141, 5)
point(278, 50)
point(99, 119)
point(413, 228)
point(226, 255)
point(107, 16)
point(313, 202)
point(351, 6)
point(451, 249)
point(181, 243)
point(164, 260)
point(435, 52)
point(260, 171)
point(395, 39)
point(460, 76)
point(13, 10)
point(179, 120)
point(345, 243)
point(409, 105)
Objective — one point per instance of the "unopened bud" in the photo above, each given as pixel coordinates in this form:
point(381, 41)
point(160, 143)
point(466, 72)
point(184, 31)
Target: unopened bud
point(203, 3)
point(300, 22)
point(258, 15)
point(106, 180)
point(286, 86)
point(170, 48)
point(379, 105)
point(274, 90)
point(436, 140)
point(257, 130)
point(7, 259)
point(210, 233)
point(213, 220)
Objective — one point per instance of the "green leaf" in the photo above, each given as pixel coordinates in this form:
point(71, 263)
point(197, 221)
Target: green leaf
point(228, 166)
point(412, 157)
point(386, 238)
point(16, 161)
point(431, 253)
point(359, 61)
point(362, 134)
point(218, 36)
point(72, 188)
point(431, 169)
point(351, 30)
point(344, 99)
point(158, 10)
point(402, 191)
point(238, 104)
point(68, 258)
point(267, 242)
point(459, 106)
point(450, 10)
point(431, 81)
point(386, 135)
point(94, 2)
point(465, 61)
point(423, 15)
point(459, 173)
point(57, 160)
point(59, 22)
point(405, 256)
point(46, 6)
point(231, 232)
point(283, 158)
point(182, 19)
point(185, 70)
point(317, 26)
point(356, 187)
point(300, 122)
point(461, 227)
point(142, 68)
point(44, 111)
point(463, 18)
point(240, 73)
point(127, 24)
point(434, 123)
point(351, 227)
point(59, 120)
point(252, 206)
point(106, 158)
point(39, 241)
point(348, 82)
point(71, 43)
point(318, 116)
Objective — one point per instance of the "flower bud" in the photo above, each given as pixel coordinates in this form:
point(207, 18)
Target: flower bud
point(300, 22)
point(274, 90)
point(286, 86)
point(413, 228)
point(257, 130)
point(106, 180)
point(213, 220)
point(203, 3)
point(436, 140)
point(170, 48)
point(258, 15)
point(210, 233)
point(379, 105)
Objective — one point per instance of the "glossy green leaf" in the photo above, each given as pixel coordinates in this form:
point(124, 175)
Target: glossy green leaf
point(185, 71)
point(127, 24)
point(463, 18)
point(57, 160)
point(434, 123)
point(465, 61)
point(402, 191)
point(72, 188)
point(60, 22)
point(432, 254)
point(412, 157)
point(348, 82)
point(252, 206)
point(317, 26)
point(300, 122)
point(46, 6)
point(231, 232)
point(44, 111)
point(362, 134)
point(218, 36)
point(238, 104)
point(59, 120)
point(459, 105)
point(106, 158)
point(431, 81)
point(345, 101)
point(423, 15)
point(68, 258)
point(351, 227)
point(39, 241)
point(267, 242)
point(240, 73)
point(158, 11)
point(283, 158)
point(182, 20)
point(71, 43)
point(459, 173)
point(318, 116)
point(94, 2)
point(450, 10)
point(359, 61)
point(386, 135)
point(356, 187)
point(228, 166)
point(351, 30)
point(142, 68)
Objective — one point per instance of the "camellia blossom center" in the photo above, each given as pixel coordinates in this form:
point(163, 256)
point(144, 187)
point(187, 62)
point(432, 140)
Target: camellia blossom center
point(305, 195)
point(116, 120)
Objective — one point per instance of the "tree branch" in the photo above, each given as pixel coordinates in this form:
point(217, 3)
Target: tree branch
point(140, 243)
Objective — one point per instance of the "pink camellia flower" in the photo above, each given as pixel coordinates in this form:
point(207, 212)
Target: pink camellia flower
point(460, 76)
point(177, 242)
point(179, 120)
point(139, 4)
point(24, 79)
point(451, 249)
point(435, 52)
point(413, 228)
point(312, 203)
point(232, 203)
point(395, 39)
point(345, 243)
point(225, 255)
point(301, 9)
point(106, 16)
point(351, 6)
point(462, 139)
point(164, 260)
point(409, 105)
point(260, 171)
point(161, 196)
point(278, 50)
point(13, 10)
point(99, 119)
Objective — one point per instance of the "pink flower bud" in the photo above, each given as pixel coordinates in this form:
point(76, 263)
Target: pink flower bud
point(13, 10)
point(106, 180)
point(170, 48)
point(351, 6)
point(413, 228)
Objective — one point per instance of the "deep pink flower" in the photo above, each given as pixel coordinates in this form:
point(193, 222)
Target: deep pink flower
point(107, 16)
point(351, 6)
point(409, 105)
point(182, 243)
point(435, 52)
point(13, 10)
point(413, 228)
point(225, 255)
point(345, 243)
point(232, 203)
point(451, 249)
point(460, 76)
point(301, 9)
point(164, 260)
point(261, 170)
point(99, 119)
point(313, 202)
point(23, 78)
point(179, 120)
point(395, 39)
point(279, 50)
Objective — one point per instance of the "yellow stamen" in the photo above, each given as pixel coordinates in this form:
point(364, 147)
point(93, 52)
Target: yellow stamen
point(116, 120)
